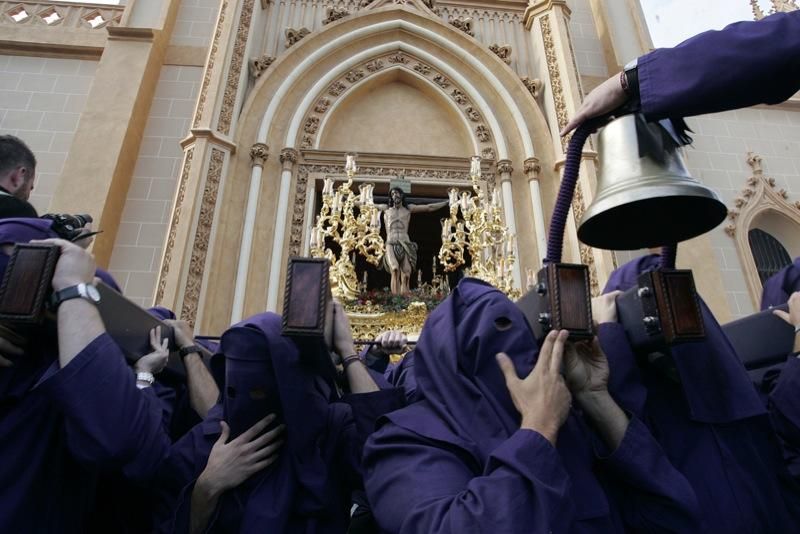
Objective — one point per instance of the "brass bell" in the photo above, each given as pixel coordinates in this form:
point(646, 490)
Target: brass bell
point(645, 195)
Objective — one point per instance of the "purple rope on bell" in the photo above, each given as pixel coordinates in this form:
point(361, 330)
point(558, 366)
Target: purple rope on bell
point(555, 239)
point(668, 255)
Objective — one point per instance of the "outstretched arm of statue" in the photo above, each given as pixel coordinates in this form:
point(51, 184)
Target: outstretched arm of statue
point(424, 208)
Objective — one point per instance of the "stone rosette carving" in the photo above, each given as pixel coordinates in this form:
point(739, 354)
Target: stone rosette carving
point(306, 142)
point(422, 69)
point(472, 114)
point(294, 35)
point(336, 88)
point(460, 98)
point(334, 14)
point(398, 58)
point(311, 125)
point(289, 155)
point(534, 86)
point(441, 81)
point(259, 153)
point(354, 75)
point(482, 132)
point(488, 153)
point(322, 105)
point(259, 65)
point(464, 24)
point(502, 51)
point(374, 66)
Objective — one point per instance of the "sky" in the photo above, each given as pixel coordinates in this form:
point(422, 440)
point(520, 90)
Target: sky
point(672, 21)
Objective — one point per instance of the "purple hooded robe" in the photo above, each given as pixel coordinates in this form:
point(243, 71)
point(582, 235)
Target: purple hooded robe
point(700, 405)
point(456, 460)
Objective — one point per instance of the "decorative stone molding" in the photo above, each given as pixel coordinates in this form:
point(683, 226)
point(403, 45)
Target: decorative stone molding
point(398, 58)
point(306, 142)
point(472, 114)
point(294, 35)
point(464, 24)
point(537, 7)
point(502, 51)
point(322, 105)
point(555, 77)
point(289, 156)
point(422, 68)
point(441, 81)
point(488, 153)
point(534, 86)
point(74, 16)
point(212, 57)
point(336, 88)
point(532, 168)
point(354, 75)
point(374, 66)
point(334, 14)
point(311, 125)
point(235, 69)
point(259, 153)
point(202, 237)
point(482, 132)
point(259, 65)
point(173, 225)
point(459, 97)
point(758, 199)
point(504, 169)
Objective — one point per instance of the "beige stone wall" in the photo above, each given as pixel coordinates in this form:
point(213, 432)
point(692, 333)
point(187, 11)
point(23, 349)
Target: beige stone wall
point(718, 158)
point(195, 23)
point(585, 42)
point(41, 100)
point(143, 228)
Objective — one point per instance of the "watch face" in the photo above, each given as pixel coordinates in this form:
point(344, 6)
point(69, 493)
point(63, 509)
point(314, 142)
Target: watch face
point(92, 293)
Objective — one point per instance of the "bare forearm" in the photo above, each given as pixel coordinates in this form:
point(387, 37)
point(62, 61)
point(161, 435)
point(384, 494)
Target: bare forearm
point(203, 390)
point(79, 323)
point(605, 415)
point(204, 501)
point(797, 342)
point(359, 379)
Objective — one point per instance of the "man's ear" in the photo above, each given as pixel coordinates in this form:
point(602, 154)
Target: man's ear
point(16, 177)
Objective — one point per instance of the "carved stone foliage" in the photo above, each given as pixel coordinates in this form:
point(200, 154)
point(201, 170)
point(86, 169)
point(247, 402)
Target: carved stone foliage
point(472, 114)
point(504, 167)
point(235, 68)
point(532, 168)
point(311, 125)
point(202, 236)
point(402, 60)
point(502, 51)
point(441, 81)
point(322, 105)
point(555, 77)
point(259, 153)
point(464, 24)
point(260, 64)
point(289, 155)
point(354, 75)
point(294, 35)
point(534, 86)
point(488, 153)
point(459, 97)
point(173, 225)
point(482, 132)
point(212, 58)
point(778, 6)
point(334, 14)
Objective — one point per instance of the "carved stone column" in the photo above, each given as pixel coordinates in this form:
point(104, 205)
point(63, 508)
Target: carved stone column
point(259, 153)
point(532, 168)
point(504, 169)
point(207, 151)
point(548, 20)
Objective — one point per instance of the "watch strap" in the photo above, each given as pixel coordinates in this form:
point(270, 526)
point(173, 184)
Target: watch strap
point(69, 293)
point(191, 349)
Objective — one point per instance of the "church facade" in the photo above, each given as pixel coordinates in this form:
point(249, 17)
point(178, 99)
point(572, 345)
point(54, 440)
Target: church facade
point(198, 133)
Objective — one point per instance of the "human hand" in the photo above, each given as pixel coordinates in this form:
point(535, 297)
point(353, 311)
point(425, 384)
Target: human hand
point(75, 265)
point(603, 99)
point(84, 242)
point(542, 398)
point(389, 342)
point(182, 332)
point(231, 463)
point(586, 369)
point(8, 349)
point(793, 315)
point(342, 333)
point(155, 361)
point(604, 308)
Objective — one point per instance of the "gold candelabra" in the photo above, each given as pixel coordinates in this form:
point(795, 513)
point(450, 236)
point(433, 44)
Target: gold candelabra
point(482, 232)
point(337, 220)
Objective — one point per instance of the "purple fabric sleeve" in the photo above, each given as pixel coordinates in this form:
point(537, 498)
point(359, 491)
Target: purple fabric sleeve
point(419, 485)
point(368, 407)
point(785, 402)
point(745, 64)
point(108, 421)
point(655, 496)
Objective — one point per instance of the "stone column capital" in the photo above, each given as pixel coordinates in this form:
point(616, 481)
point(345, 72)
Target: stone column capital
point(259, 153)
point(532, 168)
point(504, 166)
point(538, 7)
point(288, 157)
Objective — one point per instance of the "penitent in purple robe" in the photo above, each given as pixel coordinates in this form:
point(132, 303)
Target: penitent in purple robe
point(700, 405)
point(780, 387)
point(456, 461)
point(744, 64)
point(308, 488)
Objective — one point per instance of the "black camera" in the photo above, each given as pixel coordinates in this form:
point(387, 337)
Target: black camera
point(68, 226)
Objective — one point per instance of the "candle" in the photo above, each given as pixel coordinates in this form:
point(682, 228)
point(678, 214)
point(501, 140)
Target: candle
point(434, 266)
point(313, 241)
point(475, 166)
point(464, 201)
point(453, 194)
point(510, 245)
point(350, 164)
point(327, 189)
point(364, 279)
point(362, 193)
point(419, 278)
point(530, 280)
point(445, 229)
point(374, 219)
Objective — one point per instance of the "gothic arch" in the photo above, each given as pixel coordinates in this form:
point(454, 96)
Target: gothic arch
point(761, 206)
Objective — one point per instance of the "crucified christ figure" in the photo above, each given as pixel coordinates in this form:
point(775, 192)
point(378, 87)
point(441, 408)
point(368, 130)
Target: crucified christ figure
point(400, 258)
